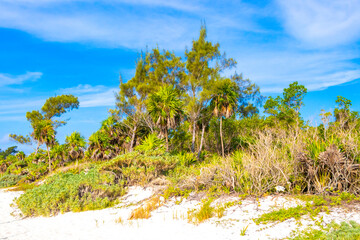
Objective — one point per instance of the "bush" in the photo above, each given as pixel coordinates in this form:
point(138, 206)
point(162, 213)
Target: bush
point(9, 180)
point(141, 168)
point(343, 231)
point(71, 192)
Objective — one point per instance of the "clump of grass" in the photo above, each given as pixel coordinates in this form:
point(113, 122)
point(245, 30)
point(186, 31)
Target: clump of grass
point(144, 212)
point(343, 231)
point(205, 212)
point(71, 192)
point(220, 210)
point(243, 230)
point(119, 220)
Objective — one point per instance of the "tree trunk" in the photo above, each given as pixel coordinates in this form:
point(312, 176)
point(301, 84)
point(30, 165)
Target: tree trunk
point(133, 138)
point(202, 140)
point(221, 138)
point(193, 137)
point(167, 140)
point(47, 147)
point(37, 148)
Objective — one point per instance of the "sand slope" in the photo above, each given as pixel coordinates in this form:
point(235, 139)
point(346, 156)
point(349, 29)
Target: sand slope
point(167, 222)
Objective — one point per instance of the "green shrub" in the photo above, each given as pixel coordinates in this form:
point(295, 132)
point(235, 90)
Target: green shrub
point(282, 215)
point(315, 204)
point(140, 168)
point(342, 231)
point(9, 180)
point(71, 192)
point(151, 142)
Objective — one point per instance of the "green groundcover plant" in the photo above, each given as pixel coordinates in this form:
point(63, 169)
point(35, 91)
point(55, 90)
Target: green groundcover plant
point(71, 192)
point(342, 231)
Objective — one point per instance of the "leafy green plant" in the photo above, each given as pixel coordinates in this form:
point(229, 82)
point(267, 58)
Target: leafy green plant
point(9, 180)
point(282, 215)
point(71, 192)
point(187, 159)
point(140, 168)
point(150, 143)
point(342, 231)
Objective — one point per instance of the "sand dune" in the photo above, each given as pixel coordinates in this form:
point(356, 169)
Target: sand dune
point(167, 222)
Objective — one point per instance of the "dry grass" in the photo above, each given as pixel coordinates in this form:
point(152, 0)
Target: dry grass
point(205, 212)
point(119, 220)
point(270, 160)
point(144, 211)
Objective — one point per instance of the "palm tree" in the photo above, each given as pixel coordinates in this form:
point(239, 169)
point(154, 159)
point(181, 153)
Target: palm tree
point(59, 152)
point(77, 143)
point(224, 102)
point(165, 108)
point(44, 133)
point(99, 142)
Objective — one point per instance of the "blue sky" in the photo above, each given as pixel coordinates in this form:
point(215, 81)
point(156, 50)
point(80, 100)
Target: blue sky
point(50, 47)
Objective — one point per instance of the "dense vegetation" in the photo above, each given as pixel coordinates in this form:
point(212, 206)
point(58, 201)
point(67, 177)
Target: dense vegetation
point(184, 124)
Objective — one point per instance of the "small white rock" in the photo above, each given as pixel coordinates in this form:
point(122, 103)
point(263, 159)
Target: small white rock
point(280, 189)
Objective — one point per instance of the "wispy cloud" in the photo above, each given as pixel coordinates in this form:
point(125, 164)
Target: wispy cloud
point(8, 79)
point(89, 96)
point(274, 69)
point(124, 23)
point(102, 99)
point(322, 23)
point(92, 96)
point(83, 89)
point(251, 33)
point(4, 139)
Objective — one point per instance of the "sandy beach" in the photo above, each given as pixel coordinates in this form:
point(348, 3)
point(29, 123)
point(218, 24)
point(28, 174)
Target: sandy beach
point(167, 222)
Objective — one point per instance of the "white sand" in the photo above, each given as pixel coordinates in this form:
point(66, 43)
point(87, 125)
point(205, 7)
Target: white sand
point(167, 222)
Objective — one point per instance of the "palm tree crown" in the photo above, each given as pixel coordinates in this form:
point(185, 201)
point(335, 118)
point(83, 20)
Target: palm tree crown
point(165, 108)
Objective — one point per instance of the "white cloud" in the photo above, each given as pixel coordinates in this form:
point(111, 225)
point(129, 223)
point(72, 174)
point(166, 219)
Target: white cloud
point(7, 79)
point(5, 139)
point(20, 105)
point(101, 99)
point(125, 23)
point(83, 89)
point(92, 96)
point(273, 69)
point(116, 28)
point(89, 96)
point(266, 56)
point(322, 23)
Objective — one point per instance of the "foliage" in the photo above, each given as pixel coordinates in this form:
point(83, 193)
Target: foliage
point(151, 142)
point(343, 231)
point(58, 105)
point(9, 151)
point(108, 141)
point(9, 180)
point(283, 214)
point(165, 108)
point(71, 192)
point(44, 125)
point(140, 168)
point(77, 144)
point(314, 205)
point(286, 109)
